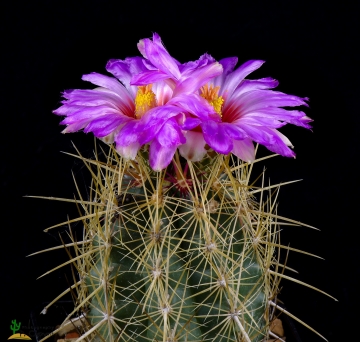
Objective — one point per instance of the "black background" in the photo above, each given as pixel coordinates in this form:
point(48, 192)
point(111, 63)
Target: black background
point(311, 48)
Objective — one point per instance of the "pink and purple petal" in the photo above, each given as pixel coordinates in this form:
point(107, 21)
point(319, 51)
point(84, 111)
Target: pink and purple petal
point(103, 126)
point(189, 67)
point(233, 79)
point(228, 65)
point(190, 123)
point(89, 113)
point(71, 128)
point(233, 131)
point(163, 92)
point(249, 85)
point(196, 105)
point(244, 149)
point(260, 134)
point(170, 134)
point(280, 145)
point(124, 70)
point(160, 156)
point(155, 52)
point(258, 99)
point(129, 133)
point(129, 151)
point(148, 77)
point(198, 78)
point(154, 119)
point(107, 82)
point(194, 148)
point(216, 137)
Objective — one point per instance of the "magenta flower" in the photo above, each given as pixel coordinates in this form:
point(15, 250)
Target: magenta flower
point(105, 111)
point(185, 80)
point(137, 112)
point(247, 111)
point(158, 101)
point(182, 78)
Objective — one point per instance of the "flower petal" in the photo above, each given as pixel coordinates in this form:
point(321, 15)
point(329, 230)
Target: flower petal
point(216, 137)
point(160, 156)
point(124, 70)
point(170, 134)
point(190, 123)
point(76, 126)
point(234, 78)
point(159, 57)
point(280, 145)
point(103, 126)
point(188, 67)
point(199, 77)
point(130, 151)
point(109, 139)
point(107, 82)
point(195, 104)
point(163, 92)
point(93, 97)
point(96, 97)
point(249, 85)
point(194, 148)
point(294, 117)
point(148, 77)
point(260, 134)
point(129, 133)
point(155, 118)
point(228, 65)
point(244, 149)
point(234, 131)
point(90, 113)
point(260, 121)
point(258, 99)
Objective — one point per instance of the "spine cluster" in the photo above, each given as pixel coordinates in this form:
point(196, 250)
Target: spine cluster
point(191, 253)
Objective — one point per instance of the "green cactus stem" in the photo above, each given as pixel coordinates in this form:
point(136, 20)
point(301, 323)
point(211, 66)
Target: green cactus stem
point(187, 254)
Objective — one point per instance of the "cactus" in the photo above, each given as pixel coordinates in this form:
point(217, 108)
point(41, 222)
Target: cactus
point(191, 259)
point(15, 326)
point(179, 243)
point(165, 268)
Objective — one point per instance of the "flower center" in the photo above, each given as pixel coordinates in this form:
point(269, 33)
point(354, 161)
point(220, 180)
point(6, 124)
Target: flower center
point(210, 94)
point(145, 100)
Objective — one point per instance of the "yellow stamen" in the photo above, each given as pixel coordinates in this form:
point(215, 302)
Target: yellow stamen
point(210, 94)
point(145, 100)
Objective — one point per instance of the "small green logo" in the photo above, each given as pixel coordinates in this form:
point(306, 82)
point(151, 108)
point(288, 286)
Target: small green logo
point(15, 326)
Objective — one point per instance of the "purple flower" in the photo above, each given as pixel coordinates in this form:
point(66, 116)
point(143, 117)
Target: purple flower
point(185, 80)
point(158, 101)
point(247, 111)
point(146, 109)
point(182, 78)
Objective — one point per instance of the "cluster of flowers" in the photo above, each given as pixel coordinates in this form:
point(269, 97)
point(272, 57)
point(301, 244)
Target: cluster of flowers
point(171, 106)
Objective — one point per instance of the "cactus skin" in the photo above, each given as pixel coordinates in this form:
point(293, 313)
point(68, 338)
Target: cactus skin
point(178, 260)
